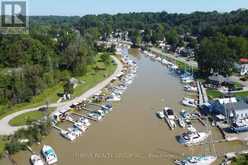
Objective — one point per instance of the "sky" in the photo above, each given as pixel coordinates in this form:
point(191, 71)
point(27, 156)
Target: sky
point(83, 7)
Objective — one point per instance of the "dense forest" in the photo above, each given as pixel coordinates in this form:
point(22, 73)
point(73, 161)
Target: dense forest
point(57, 48)
point(219, 39)
point(52, 52)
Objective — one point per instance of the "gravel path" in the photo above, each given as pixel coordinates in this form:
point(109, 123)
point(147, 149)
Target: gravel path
point(6, 129)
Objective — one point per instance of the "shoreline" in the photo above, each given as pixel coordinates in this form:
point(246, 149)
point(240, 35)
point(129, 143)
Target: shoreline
point(7, 129)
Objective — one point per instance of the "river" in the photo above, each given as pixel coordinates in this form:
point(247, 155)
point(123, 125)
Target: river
point(132, 134)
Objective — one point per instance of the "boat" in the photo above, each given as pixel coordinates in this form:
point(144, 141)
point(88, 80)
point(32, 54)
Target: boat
point(36, 160)
point(68, 135)
point(160, 114)
point(197, 160)
point(80, 126)
point(240, 126)
point(190, 88)
point(189, 102)
point(113, 98)
point(77, 132)
point(107, 107)
point(181, 122)
point(85, 121)
point(192, 137)
point(49, 154)
point(169, 113)
point(95, 116)
point(187, 79)
point(186, 115)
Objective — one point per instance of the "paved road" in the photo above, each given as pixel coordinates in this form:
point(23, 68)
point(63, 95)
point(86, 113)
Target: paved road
point(183, 60)
point(6, 129)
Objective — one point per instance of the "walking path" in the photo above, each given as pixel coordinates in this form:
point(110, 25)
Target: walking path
point(6, 129)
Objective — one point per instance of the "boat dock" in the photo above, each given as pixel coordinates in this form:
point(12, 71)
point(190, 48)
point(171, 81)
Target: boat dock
point(202, 93)
point(84, 116)
point(56, 127)
point(204, 143)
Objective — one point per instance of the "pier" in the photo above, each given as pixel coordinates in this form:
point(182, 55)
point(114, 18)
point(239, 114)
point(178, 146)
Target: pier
point(202, 93)
point(84, 116)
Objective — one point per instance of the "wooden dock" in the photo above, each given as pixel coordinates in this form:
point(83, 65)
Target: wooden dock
point(84, 116)
point(202, 94)
point(204, 143)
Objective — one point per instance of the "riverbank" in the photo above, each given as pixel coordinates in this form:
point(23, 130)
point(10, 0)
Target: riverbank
point(6, 129)
point(49, 95)
point(181, 62)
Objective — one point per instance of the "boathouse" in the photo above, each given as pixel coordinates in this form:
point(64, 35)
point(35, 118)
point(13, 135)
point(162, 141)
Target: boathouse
point(228, 107)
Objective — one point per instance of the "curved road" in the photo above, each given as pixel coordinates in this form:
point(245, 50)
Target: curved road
point(6, 129)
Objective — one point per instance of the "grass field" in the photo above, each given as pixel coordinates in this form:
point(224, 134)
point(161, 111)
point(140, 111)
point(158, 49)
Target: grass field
point(91, 79)
point(213, 93)
point(28, 118)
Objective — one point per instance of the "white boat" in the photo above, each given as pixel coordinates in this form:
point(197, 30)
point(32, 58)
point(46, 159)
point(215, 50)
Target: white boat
point(197, 160)
point(181, 122)
point(113, 98)
point(68, 135)
point(192, 137)
point(36, 160)
point(169, 113)
point(190, 88)
point(95, 116)
point(49, 154)
point(161, 114)
point(189, 102)
point(80, 126)
point(85, 121)
point(77, 132)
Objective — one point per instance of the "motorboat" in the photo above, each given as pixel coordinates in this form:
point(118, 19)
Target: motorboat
point(181, 122)
point(107, 107)
point(68, 135)
point(189, 102)
point(240, 126)
point(187, 79)
point(160, 114)
point(95, 116)
point(113, 98)
point(49, 154)
point(75, 131)
point(190, 88)
point(186, 115)
point(169, 113)
point(36, 160)
point(85, 121)
point(80, 126)
point(192, 137)
point(197, 160)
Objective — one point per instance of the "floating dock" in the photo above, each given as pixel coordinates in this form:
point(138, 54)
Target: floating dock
point(84, 116)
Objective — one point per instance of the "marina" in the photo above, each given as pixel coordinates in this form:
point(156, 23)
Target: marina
point(123, 144)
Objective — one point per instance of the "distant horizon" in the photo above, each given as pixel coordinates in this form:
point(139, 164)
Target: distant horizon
point(112, 7)
point(221, 12)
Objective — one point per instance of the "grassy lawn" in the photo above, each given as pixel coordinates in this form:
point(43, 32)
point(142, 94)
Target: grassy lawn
point(2, 146)
point(91, 79)
point(49, 95)
point(25, 118)
point(241, 94)
point(94, 76)
point(213, 93)
point(186, 67)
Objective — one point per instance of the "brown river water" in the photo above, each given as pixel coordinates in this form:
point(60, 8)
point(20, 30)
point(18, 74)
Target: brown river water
point(131, 133)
